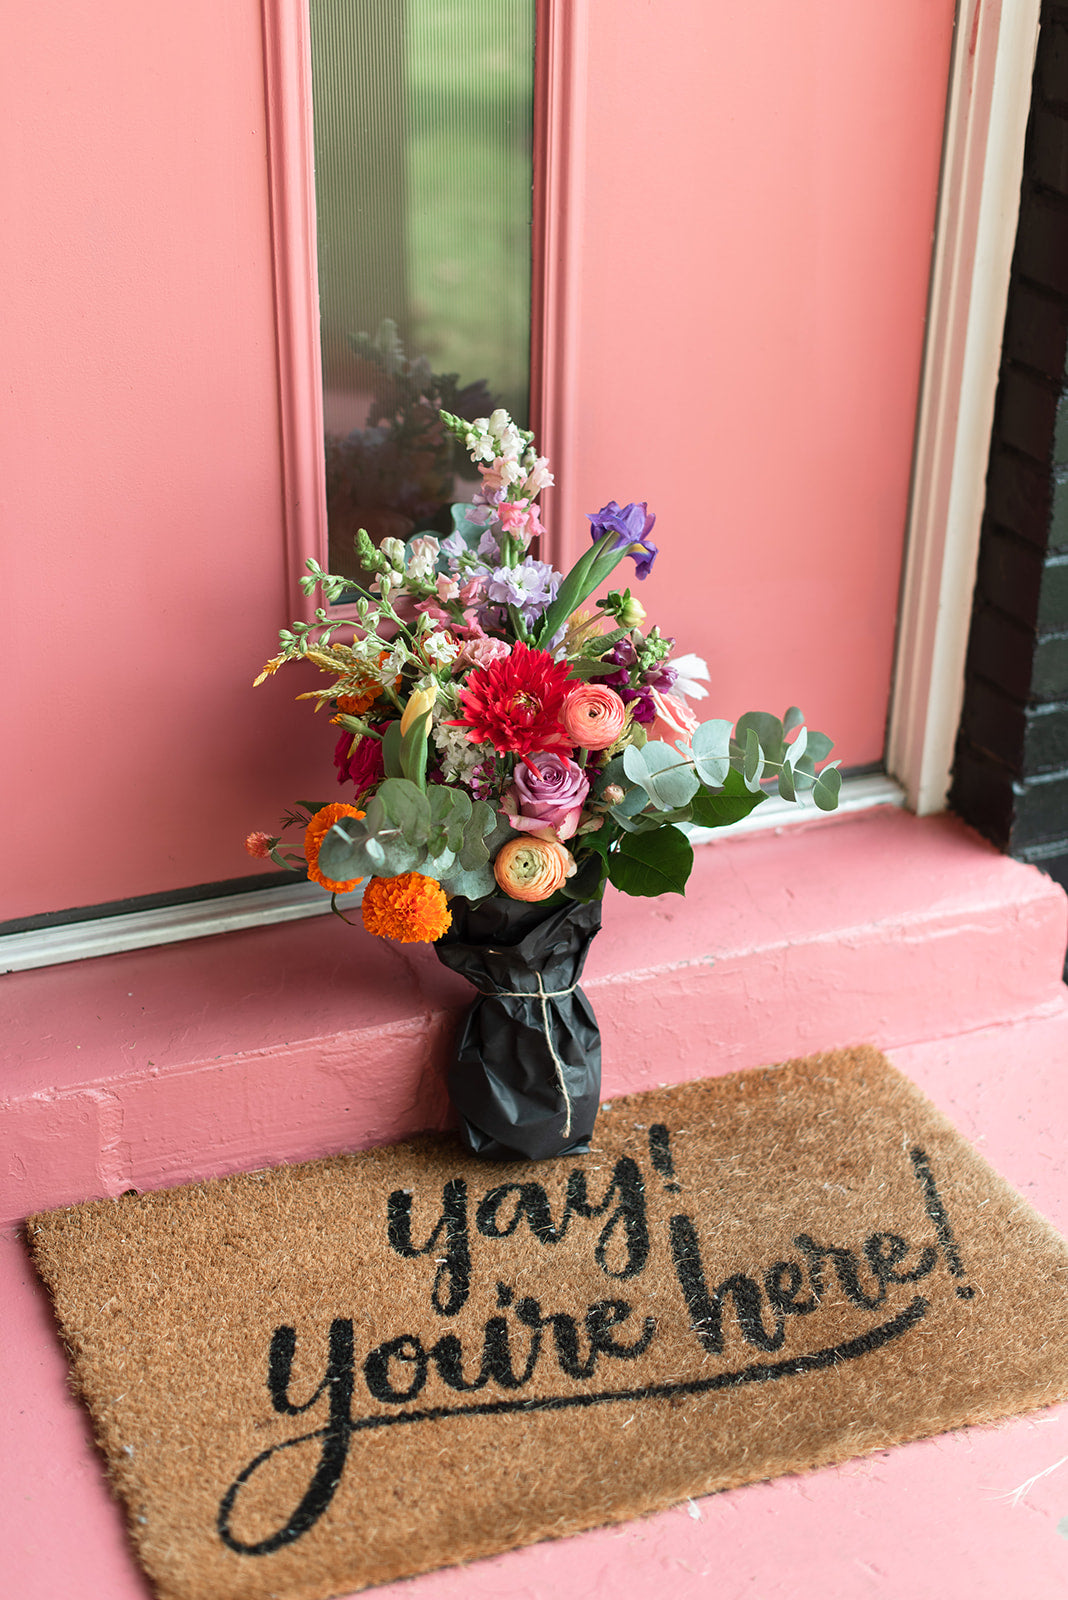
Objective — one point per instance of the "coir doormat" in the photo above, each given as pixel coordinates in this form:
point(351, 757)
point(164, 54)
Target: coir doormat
point(321, 1377)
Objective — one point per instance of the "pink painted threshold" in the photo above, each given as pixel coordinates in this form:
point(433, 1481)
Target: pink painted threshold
point(164, 1065)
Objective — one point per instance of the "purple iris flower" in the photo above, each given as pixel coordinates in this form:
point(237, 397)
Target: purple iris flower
point(632, 525)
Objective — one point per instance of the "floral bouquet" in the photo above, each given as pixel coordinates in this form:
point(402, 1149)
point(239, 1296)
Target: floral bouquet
point(509, 748)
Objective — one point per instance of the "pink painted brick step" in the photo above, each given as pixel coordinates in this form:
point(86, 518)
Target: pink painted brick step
point(935, 1518)
point(297, 1040)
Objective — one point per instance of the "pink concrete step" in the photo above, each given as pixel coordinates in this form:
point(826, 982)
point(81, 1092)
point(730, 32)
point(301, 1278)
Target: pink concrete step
point(296, 1040)
point(938, 1518)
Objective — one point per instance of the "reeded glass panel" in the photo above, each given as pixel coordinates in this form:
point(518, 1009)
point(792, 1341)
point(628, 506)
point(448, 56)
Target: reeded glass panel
point(423, 180)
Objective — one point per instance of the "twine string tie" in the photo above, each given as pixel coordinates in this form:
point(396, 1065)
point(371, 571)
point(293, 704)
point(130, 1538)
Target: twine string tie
point(544, 995)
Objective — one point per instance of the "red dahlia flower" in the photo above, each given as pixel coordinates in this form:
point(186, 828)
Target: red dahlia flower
point(515, 704)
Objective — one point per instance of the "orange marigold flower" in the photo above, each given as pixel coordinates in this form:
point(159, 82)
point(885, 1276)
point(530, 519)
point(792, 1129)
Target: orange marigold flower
point(410, 908)
point(315, 833)
point(354, 705)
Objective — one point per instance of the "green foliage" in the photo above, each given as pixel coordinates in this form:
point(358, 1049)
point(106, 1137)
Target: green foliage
point(651, 864)
point(666, 775)
point(437, 831)
point(734, 801)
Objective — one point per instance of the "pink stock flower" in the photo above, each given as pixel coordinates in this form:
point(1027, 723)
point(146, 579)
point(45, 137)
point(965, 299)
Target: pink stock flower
point(594, 716)
point(674, 720)
point(547, 792)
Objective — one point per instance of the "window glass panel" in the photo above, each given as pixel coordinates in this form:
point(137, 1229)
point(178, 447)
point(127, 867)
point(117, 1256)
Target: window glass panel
point(423, 177)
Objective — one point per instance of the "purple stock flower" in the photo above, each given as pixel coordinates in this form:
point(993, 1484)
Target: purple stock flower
point(632, 525)
point(530, 587)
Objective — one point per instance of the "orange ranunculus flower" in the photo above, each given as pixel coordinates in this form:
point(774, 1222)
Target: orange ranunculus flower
point(594, 716)
point(531, 868)
point(410, 908)
point(315, 833)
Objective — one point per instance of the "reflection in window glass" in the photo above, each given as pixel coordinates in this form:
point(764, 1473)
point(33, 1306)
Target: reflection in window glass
point(423, 180)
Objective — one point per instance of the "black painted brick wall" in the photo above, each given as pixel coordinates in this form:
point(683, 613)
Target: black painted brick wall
point(1010, 775)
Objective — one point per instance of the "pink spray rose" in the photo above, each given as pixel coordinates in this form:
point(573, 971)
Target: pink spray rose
point(548, 791)
point(674, 719)
point(594, 716)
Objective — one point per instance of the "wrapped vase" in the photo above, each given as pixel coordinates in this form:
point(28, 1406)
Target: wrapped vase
point(526, 1079)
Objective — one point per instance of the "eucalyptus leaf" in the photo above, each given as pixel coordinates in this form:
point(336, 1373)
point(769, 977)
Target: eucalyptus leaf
point(651, 864)
point(753, 764)
point(633, 801)
point(819, 746)
point(439, 864)
point(667, 777)
point(613, 772)
point(475, 884)
point(827, 788)
point(768, 730)
point(483, 836)
point(793, 719)
point(795, 751)
point(407, 808)
point(787, 791)
point(450, 812)
point(711, 745)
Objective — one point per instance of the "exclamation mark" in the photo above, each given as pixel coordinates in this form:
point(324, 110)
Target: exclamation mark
point(937, 1213)
point(660, 1151)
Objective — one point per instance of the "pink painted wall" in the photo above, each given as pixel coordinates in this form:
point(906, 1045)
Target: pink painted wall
point(141, 495)
point(760, 198)
point(760, 190)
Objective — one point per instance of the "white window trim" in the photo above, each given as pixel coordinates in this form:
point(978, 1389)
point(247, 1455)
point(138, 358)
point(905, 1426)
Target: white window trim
point(137, 930)
point(986, 121)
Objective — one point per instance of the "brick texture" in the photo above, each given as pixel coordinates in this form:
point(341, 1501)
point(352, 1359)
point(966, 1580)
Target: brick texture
point(1010, 776)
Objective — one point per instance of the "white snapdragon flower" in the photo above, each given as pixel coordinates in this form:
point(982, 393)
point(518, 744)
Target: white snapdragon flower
point(689, 669)
point(393, 551)
point(423, 554)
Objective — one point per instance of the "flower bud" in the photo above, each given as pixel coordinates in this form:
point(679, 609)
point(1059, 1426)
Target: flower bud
point(419, 704)
point(612, 795)
point(631, 613)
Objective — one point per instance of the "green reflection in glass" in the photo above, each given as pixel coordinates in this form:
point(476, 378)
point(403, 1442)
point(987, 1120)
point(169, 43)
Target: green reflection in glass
point(423, 176)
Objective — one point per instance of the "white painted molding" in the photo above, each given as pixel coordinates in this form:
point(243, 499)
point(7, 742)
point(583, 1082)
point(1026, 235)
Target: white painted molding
point(137, 930)
point(986, 120)
point(202, 919)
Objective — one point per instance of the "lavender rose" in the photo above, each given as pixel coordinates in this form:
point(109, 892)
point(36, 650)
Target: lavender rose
point(548, 791)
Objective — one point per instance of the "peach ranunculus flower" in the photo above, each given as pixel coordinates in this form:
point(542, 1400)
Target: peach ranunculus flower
point(532, 869)
point(593, 716)
point(674, 719)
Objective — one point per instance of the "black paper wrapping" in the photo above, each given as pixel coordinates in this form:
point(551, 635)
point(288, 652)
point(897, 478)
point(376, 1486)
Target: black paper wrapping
point(505, 1083)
